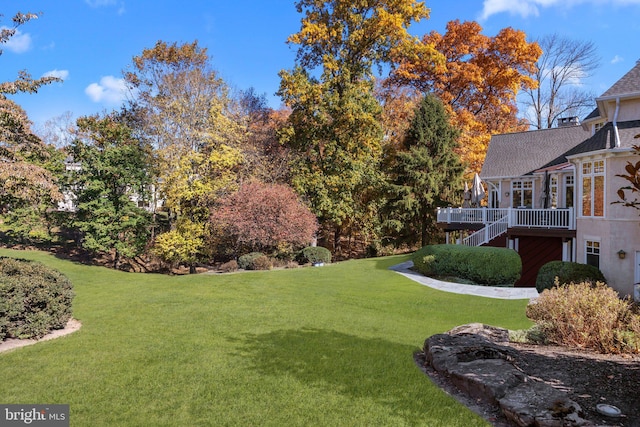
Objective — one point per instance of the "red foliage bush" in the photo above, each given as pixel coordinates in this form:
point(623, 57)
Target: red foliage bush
point(265, 217)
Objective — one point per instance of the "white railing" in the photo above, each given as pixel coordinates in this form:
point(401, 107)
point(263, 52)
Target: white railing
point(542, 218)
point(529, 218)
point(488, 233)
point(471, 215)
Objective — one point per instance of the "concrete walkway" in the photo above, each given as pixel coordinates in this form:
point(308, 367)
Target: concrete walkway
point(458, 288)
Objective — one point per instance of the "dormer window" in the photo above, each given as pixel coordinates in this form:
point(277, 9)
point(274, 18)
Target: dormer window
point(597, 127)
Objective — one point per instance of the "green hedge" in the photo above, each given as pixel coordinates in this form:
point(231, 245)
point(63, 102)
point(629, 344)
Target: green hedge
point(34, 299)
point(315, 254)
point(566, 272)
point(484, 265)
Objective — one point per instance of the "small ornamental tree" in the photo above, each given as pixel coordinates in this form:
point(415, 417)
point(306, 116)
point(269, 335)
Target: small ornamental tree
point(632, 176)
point(264, 217)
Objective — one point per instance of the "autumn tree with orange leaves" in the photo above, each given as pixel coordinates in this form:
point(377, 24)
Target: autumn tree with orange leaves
point(334, 126)
point(478, 82)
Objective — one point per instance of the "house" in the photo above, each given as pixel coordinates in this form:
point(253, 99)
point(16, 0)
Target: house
point(69, 198)
point(551, 192)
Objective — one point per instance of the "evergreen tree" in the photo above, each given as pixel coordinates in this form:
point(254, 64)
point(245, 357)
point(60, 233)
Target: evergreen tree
point(426, 174)
point(114, 166)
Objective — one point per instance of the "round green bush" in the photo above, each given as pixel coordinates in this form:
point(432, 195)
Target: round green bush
point(483, 265)
point(34, 299)
point(246, 261)
point(566, 272)
point(316, 254)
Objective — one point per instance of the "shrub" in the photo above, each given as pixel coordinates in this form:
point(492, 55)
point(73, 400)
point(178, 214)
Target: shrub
point(316, 254)
point(229, 266)
point(566, 272)
point(587, 316)
point(483, 265)
point(262, 262)
point(291, 264)
point(34, 299)
point(266, 217)
point(246, 261)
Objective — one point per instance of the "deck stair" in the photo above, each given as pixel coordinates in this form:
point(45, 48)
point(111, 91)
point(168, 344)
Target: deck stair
point(487, 233)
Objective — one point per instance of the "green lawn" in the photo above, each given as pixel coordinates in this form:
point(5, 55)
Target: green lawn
point(329, 346)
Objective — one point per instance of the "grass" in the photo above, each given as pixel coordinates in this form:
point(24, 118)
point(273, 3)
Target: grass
point(329, 346)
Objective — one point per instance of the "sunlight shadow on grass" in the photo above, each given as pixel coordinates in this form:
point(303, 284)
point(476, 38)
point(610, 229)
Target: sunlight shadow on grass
point(360, 368)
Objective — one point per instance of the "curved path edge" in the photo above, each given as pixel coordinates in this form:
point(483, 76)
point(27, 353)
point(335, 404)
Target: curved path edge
point(459, 288)
point(13, 343)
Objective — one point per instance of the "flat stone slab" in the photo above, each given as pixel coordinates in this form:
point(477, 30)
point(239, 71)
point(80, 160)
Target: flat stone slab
point(471, 357)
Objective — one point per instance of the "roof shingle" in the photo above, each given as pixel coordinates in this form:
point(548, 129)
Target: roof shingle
point(521, 153)
point(629, 83)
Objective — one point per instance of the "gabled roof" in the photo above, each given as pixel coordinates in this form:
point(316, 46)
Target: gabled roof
point(629, 83)
point(521, 153)
point(592, 115)
point(605, 138)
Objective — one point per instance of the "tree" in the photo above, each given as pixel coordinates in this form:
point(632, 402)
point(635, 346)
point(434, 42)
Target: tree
point(28, 188)
point(335, 118)
point(24, 82)
point(265, 217)
point(183, 244)
point(115, 166)
point(187, 113)
point(398, 106)
point(58, 131)
point(478, 83)
point(264, 157)
point(23, 157)
point(425, 175)
point(564, 63)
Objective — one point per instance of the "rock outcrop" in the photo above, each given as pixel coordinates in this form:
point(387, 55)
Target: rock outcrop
point(473, 360)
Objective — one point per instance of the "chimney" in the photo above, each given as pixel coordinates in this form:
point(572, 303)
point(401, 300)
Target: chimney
point(568, 121)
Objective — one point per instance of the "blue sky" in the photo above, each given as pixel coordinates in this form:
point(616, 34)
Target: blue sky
point(90, 42)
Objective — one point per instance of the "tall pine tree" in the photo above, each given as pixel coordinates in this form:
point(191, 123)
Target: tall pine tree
point(426, 174)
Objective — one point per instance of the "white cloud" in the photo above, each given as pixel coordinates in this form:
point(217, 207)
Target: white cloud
point(61, 74)
point(617, 59)
point(526, 8)
point(99, 3)
point(110, 90)
point(19, 43)
point(107, 3)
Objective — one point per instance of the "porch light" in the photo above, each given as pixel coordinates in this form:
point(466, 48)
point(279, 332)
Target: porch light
point(506, 194)
point(622, 254)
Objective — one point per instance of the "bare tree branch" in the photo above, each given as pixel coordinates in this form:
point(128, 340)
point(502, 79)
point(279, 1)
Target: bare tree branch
point(564, 64)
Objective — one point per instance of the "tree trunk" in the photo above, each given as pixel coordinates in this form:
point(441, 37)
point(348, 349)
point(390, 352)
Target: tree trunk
point(423, 232)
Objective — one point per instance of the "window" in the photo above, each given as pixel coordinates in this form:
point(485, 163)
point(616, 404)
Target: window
point(522, 192)
point(597, 127)
point(593, 188)
point(592, 253)
point(568, 191)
